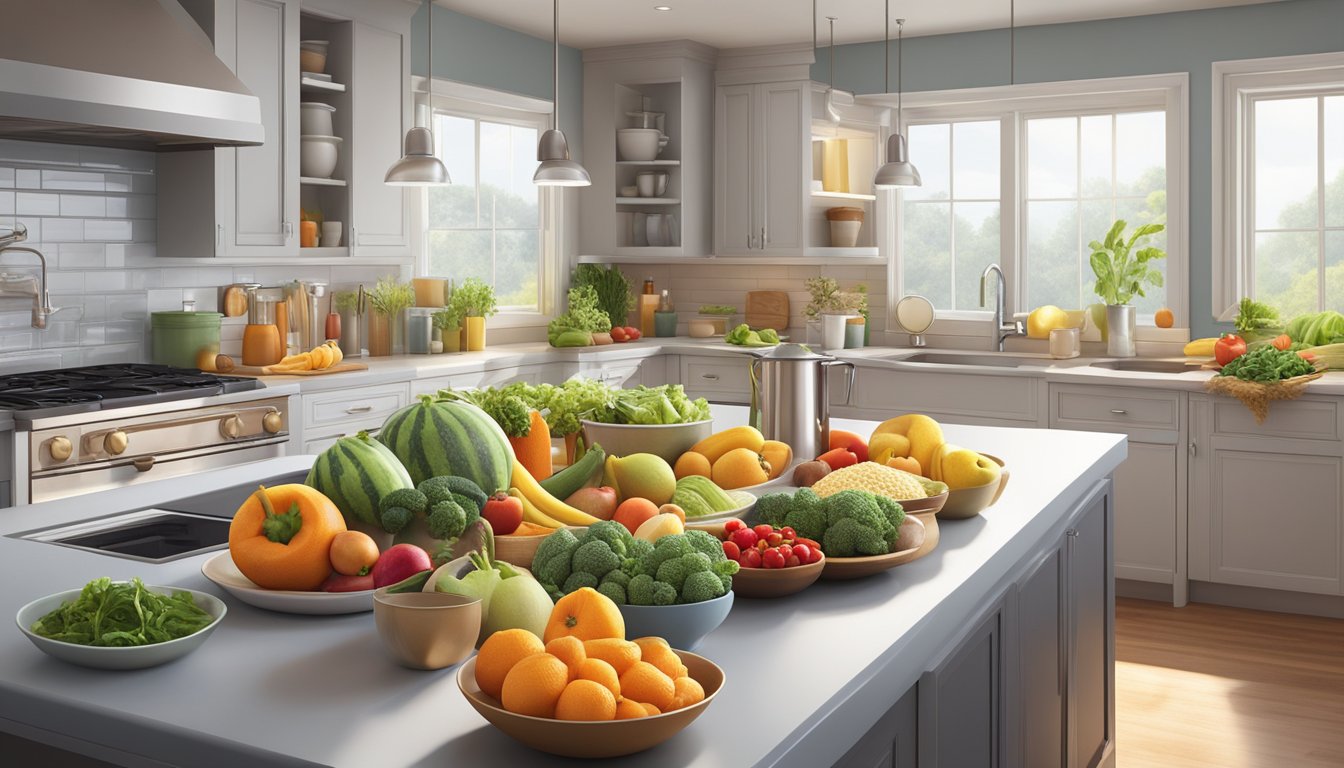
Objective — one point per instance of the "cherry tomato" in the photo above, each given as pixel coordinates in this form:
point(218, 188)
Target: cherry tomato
point(763, 530)
point(772, 559)
point(793, 562)
point(813, 544)
point(731, 550)
point(816, 555)
point(750, 558)
point(803, 552)
point(744, 538)
point(733, 524)
point(774, 539)
point(788, 533)
point(785, 550)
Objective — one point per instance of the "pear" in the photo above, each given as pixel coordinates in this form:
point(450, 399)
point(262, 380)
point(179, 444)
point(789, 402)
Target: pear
point(964, 468)
point(642, 475)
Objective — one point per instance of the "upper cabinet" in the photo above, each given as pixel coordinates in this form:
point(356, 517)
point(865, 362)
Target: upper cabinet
point(647, 117)
point(332, 79)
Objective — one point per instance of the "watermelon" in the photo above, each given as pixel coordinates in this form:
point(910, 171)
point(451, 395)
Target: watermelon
point(355, 473)
point(445, 437)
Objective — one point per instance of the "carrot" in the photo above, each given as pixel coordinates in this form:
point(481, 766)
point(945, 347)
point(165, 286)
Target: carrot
point(534, 451)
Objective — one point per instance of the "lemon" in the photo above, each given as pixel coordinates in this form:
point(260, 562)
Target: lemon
point(1044, 319)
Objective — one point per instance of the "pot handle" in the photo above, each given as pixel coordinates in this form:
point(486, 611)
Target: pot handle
point(850, 375)
point(754, 415)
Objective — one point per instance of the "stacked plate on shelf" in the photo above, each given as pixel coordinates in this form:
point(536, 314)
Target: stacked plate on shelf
point(317, 147)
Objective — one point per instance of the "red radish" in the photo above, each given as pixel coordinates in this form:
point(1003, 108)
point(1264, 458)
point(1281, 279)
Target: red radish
point(337, 582)
point(398, 562)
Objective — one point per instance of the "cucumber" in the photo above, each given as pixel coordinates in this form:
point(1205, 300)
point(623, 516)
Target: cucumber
point(564, 483)
point(413, 583)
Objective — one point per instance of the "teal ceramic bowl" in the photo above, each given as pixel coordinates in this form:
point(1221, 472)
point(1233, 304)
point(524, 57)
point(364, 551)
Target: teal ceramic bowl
point(682, 626)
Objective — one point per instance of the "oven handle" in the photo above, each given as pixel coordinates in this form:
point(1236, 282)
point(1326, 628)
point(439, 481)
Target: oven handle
point(92, 437)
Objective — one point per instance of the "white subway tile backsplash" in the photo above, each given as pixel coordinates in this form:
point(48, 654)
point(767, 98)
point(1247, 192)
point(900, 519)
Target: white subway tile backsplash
point(6, 203)
point(27, 178)
point(73, 180)
point(143, 183)
point(37, 204)
point(207, 299)
point(111, 332)
point(81, 256)
point(142, 230)
point(6, 178)
point(83, 205)
point(63, 230)
point(116, 159)
point(191, 277)
point(117, 182)
point(107, 229)
point(113, 353)
point(65, 282)
point(15, 342)
point(164, 299)
point(59, 333)
point(130, 306)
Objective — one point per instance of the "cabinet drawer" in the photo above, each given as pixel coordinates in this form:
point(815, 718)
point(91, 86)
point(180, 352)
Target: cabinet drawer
point(957, 397)
point(1293, 419)
point(363, 404)
point(318, 439)
point(455, 381)
point(620, 376)
point(716, 375)
point(1114, 409)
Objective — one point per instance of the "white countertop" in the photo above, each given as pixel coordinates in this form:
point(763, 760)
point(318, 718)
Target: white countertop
point(277, 689)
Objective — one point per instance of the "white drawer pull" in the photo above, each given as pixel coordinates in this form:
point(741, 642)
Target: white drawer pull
point(1119, 411)
point(359, 409)
point(710, 376)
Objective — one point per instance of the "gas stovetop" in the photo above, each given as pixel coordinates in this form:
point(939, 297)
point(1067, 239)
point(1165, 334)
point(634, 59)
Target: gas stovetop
point(101, 387)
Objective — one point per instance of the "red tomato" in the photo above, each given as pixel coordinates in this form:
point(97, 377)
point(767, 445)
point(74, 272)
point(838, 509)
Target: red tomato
point(772, 559)
point(774, 539)
point(785, 550)
point(788, 533)
point(1282, 341)
point(803, 552)
point(1229, 348)
point(839, 458)
point(504, 513)
point(793, 562)
point(744, 538)
point(733, 524)
point(763, 530)
point(731, 550)
point(750, 559)
point(633, 333)
point(618, 333)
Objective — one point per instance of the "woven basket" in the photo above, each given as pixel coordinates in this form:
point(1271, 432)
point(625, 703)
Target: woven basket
point(1257, 395)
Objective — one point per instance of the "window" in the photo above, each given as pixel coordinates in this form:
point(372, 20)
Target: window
point(1026, 177)
point(492, 222)
point(1279, 183)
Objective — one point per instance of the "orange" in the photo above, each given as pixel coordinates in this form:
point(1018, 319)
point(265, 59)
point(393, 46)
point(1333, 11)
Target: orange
point(779, 455)
point(691, 463)
point(657, 652)
point(499, 653)
point(586, 614)
point(643, 682)
point(534, 685)
point(601, 672)
point(651, 710)
point(570, 651)
point(908, 463)
point(585, 700)
point(688, 692)
point(629, 709)
point(634, 511)
point(620, 654)
point(1164, 318)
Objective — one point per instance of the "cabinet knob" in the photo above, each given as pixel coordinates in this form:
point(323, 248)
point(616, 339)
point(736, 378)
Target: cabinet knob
point(272, 422)
point(116, 442)
point(231, 426)
point(60, 448)
point(143, 463)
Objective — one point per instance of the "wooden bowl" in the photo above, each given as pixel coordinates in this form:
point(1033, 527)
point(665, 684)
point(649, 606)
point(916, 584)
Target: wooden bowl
point(520, 550)
point(969, 502)
point(928, 504)
point(776, 582)
point(908, 547)
point(590, 739)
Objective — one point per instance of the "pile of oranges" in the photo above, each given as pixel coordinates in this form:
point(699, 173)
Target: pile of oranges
point(584, 668)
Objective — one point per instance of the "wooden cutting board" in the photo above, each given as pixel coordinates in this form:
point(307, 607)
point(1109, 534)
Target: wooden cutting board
point(252, 370)
point(768, 309)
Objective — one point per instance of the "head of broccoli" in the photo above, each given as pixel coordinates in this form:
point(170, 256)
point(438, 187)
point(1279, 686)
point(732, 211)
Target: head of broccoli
point(594, 557)
point(616, 536)
point(773, 508)
point(614, 591)
point(578, 580)
point(667, 548)
point(675, 570)
point(552, 564)
point(705, 543)
point(808, 522)
point(407, 498)
point(701, 586)
point(851, 538)
point(895, 514)
point(446, 520)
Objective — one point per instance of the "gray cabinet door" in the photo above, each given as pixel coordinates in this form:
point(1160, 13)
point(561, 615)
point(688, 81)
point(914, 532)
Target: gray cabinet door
point(1040, 672)
point(784, 138)
point(735, 220)
point(892, 741)
point(378, 217)
point(1146, 513)
point(959, 707)
point(1091, 622)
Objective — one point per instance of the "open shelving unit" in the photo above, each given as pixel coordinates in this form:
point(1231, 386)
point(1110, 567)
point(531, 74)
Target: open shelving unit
point(636, 232)
point(329, 196)
point(844, 158)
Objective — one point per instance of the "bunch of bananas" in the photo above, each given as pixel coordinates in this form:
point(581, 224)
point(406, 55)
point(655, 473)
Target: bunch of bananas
point(319, 358)
point(540, 507)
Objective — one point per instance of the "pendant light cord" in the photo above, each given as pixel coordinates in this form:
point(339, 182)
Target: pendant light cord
point(429, 71)
point(1012, 42)
point(886, 46)
point(900, 72)
point(555, 65)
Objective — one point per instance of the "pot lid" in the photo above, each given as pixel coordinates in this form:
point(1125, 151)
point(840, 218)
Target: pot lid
point(792, 352)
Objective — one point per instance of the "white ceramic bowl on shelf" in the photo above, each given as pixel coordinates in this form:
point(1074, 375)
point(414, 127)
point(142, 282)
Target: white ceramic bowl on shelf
point(640, 144)
point(313, 55)
point(315, 118)
point(317, 155)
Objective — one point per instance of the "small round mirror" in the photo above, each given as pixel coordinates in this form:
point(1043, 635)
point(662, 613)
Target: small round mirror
point(915, 314)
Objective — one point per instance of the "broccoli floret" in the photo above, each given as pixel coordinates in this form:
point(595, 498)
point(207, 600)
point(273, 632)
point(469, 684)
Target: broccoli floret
point(806, 498)
point(617, 577)
point(772, 508)
point(395, 518)
point(595, 557)
point(616, 536)
point(701, 586)
point(675, 571)
point(443, 487)
point(704, 542)
point(726, 581)
point(578, 580)
point(666, 548)
point(638, 548)
point(808, 522)
point(895, 514)
point(860, 506)
point(446, 520)
point(664, 593)
point(640, 589)
point(725, 567)
point(613, 590)
point(851, 538)
point(553, 592)
point(407, 498)
point(552, 562)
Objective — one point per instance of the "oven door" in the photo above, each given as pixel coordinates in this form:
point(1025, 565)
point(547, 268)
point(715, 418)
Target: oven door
point(75, 481)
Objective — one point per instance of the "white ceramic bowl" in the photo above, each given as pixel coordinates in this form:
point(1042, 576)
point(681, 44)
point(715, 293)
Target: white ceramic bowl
point(638, 143)
point(315, 118)
point(133, 657)
point(317, 156)
point(313, 56)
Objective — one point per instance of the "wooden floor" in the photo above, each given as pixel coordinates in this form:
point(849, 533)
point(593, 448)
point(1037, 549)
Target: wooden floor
point(1211, 687)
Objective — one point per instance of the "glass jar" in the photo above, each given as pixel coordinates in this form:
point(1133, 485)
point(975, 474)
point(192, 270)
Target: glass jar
point(419, 330)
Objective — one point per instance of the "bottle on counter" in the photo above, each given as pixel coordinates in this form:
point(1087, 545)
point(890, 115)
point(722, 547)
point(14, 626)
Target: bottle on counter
point(665, 319)
point(648, 305)
point(648, 285)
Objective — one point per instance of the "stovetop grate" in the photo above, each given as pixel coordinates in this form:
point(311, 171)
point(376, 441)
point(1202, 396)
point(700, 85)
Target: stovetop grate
point(98, 387)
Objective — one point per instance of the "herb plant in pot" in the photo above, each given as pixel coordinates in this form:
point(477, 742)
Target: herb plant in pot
point(388, 301)
point(473, 301)
point(448, 329)
point(346, 304)
point(1123, 272)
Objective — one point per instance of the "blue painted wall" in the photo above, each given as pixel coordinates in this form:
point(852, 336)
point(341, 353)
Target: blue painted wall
point(1174, 42)
point(469, 50)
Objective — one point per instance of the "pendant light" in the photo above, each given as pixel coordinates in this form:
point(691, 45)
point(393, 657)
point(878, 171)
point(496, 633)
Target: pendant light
point(556, 169)
point(898, 170)
point(418, 166)
point(832, 111)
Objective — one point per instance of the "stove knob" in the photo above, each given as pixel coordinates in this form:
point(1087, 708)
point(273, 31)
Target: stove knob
point(115, 443)
point(60, 448)
point(272, 422)
point(231, 427)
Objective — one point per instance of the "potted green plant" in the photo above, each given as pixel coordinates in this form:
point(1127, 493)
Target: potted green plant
point(448, 329)
point(826, 298)
point(855, 302)
point(388, 301)
point(346, 304)
point(473, 301)
point(1122, 272)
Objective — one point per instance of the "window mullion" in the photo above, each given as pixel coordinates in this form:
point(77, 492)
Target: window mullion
point(951, 217)
point(1320, 201)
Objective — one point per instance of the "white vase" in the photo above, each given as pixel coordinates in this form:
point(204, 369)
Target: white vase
point(1120, 330)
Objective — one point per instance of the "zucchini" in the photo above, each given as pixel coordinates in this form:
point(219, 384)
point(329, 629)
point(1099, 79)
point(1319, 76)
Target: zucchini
point(564, 483)
point(413, 583)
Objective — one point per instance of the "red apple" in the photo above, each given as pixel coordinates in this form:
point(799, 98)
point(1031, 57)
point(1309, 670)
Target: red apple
point(598, 502)
point(633, 333)
point(503, 512)
point(340, 583)
point(399, 561)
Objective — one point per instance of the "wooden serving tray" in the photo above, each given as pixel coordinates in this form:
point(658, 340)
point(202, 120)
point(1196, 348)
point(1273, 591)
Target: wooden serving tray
point(252, 370)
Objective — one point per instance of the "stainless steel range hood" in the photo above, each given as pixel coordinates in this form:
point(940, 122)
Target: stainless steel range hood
point(138, 74)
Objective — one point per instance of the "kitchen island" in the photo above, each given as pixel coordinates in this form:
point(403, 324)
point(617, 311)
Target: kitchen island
point(947, 653)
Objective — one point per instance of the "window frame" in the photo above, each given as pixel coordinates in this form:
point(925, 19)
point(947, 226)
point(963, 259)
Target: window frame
point(477, 103)
point(1237, 86)
point(1013, 105)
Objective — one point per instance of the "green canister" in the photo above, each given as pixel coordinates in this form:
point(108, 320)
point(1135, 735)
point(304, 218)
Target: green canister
point(179, 338)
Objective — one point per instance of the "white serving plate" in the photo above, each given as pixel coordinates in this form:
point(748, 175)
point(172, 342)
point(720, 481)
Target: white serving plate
point(221, 570)
point(118, 658)
point(747, 499)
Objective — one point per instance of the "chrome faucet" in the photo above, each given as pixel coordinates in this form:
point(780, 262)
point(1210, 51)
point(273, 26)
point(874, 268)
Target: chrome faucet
point(1002, 330)
point(42, 308)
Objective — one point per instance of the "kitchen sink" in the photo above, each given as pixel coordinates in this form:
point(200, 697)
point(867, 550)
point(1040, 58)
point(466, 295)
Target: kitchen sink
point(1149, 366)
point(987, 360)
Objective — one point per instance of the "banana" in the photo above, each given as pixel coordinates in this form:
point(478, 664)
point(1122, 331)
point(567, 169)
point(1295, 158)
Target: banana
point(546, 503)
point(533, 515)
point(1200, 348)
point(336, 354)
point(721, 442)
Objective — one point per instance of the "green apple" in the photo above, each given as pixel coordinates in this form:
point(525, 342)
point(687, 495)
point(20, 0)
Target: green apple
point(1098, 312)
